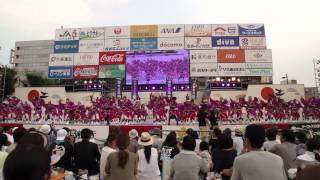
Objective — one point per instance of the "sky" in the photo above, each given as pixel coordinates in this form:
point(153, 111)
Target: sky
point(292, 27)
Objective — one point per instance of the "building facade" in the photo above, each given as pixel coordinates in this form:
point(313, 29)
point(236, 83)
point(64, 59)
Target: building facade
point(311, 92)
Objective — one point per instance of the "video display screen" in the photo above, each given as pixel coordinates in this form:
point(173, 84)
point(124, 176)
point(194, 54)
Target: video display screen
point(155, 67)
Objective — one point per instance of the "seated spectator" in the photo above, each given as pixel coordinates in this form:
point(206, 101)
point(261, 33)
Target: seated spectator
point(134, 136)
point(110, 147)
point(187, 165)
point(148, 168)
point(27, 162)
point(3, 154)
point(171, 141)
point(205, 155)
point(223, 157)
point(287, 149)
point(311, 155)
point(18, 133)
point(123, 163)
point(86, 154)
point(257, 164)
point(271, 134)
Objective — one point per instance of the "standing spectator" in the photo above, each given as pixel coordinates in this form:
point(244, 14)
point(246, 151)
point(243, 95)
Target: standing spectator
point(123, 163)
point(301, 138)
point(187, 165)
point(271, 134)
point(86, 154)
point(17, 135)
point(311, 155)
point(8, 133)
point(148, 168)
point(257, 164)
point(238, 140)
point(203, 119)
point(205, 155)
point(287, 149)
point(171, 141)
point(46, 129)
point(156, 134)
point(194, 134)
point(223, 157)
point(110, 147)
point(3, 154)
point(134, 136)
point(213, 142)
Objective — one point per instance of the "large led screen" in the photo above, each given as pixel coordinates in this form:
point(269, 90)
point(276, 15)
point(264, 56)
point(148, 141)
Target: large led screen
point(155, 67)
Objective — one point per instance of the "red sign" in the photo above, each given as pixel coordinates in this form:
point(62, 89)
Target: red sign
point(231, 56)
point(85, 72)
point(108, 58)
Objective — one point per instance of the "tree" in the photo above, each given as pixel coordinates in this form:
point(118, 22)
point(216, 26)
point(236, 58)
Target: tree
point(10, 80)
point(35, 79)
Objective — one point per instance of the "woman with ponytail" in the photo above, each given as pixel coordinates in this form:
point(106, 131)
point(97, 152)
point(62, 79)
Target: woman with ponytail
point(122, 164)
point(148, 168)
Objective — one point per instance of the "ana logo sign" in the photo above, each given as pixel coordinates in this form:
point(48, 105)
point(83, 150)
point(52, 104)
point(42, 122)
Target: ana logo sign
point(170, 30)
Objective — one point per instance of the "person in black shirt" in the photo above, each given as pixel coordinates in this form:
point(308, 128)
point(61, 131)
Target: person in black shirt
point(86, 154)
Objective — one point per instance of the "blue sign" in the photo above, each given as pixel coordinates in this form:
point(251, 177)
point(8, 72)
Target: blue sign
point(66, 46)
point(143, 43)
point(60, 72)
point(251, 30)
point(225, 41)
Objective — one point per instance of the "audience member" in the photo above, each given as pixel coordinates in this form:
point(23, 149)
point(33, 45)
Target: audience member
point(311, 172)
point(86, 154)
point(3, 154)
point(46, 129)
point(156, 134)
point(271, 135)
point(27, 162)
point(110, 147)
point(18, 133)
point(257, 164)
point(194, 134)
point(134, 136)
point(238, 140)
point(213, 142)
point(123, 163)
point(8, 132)
point(34, 138)
point(187, 165)
point(171, 141)
point(205, 155)
point(148, 167)
point(300, 141)
point(311, 155)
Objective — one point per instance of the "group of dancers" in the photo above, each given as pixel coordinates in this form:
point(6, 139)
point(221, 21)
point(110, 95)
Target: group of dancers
point(160, 108)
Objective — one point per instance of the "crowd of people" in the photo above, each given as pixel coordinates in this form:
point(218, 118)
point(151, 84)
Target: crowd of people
point(47, 153)
point(160, 109)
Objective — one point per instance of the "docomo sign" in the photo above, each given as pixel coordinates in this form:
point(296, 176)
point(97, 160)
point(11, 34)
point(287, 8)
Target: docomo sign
point(231, 56)
point(80, 72)
point(108, 58)
point(171, 43)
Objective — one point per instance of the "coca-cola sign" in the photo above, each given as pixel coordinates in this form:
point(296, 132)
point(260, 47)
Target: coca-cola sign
point(108, 58)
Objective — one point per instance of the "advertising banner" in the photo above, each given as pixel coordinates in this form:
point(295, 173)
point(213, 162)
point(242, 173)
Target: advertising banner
point(259, 65)
point(61, 59)
point(259, 72)
point(198, 43)
point(251, 30)
point(86, 59)
point(85, 72)
point(112, 71)
point(170, 30)
point(91, 45)
point(258, 55)
point(67, 34)
point(117, 45)
point(231, 69)
point(198, 30)
point(203, 56)
point(144, 31)
point(109, 58)
point(143, 43)
point(91, 33)
point(253, 43)
point(225, 30)
point(225, 42)
point(117, 32)
point(203, 69)
point(231, 56)
point(172, 43)
point(66, 46)
point(60, 72)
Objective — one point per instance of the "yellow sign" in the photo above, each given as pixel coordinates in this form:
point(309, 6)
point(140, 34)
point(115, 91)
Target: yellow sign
point(144, 31)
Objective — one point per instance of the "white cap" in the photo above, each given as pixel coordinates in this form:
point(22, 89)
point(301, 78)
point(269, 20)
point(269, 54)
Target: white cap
point(133, 133)
point(45, 129)
point(61, 134)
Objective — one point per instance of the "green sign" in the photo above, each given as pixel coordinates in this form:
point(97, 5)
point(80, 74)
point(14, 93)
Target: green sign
point(111, 71)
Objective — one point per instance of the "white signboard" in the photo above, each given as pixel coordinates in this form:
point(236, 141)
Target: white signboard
point(203, 69)
point(198, 43)
point(198, 30)
point(252, 43)
point(173, 43)
point(225, 30)
point(258, 55)
point(206, 56)
point(232, 69)
point(61, 59)
point(259, 65)
point(117, 45)
point(170, 30)
point(91, 33)
point(52, 94)
point(259, 72)
point(117, 32)
point(86, 59)
point(91, 45)
point(67, 34)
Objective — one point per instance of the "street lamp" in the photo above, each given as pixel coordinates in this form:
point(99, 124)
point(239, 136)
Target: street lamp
point(287, 79)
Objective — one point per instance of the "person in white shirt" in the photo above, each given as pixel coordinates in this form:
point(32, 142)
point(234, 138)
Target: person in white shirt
point(148, 168)
point(110, 147)
point(311, 155)
point(271, 134)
